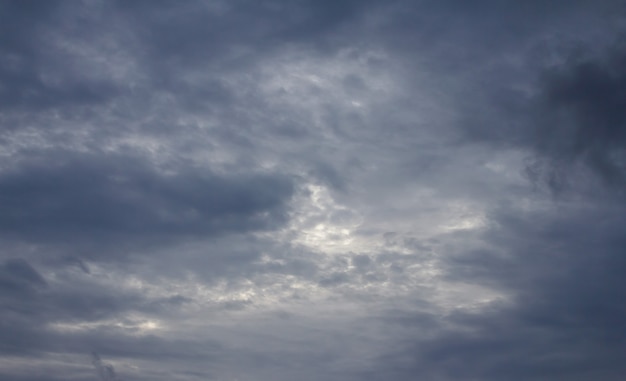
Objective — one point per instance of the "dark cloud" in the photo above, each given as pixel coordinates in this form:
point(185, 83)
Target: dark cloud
point(105, 371)
point(108, 199)
point(36, 71)
point(565, 319)
point(583, 105)
point(279, 190)
point(224, 37)
point(19, 273)
point(563, 106)
point(20, 286)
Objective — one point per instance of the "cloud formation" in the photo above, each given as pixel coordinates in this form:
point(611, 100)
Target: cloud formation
point(105, 371)
point(101, 198)
point(278, 190)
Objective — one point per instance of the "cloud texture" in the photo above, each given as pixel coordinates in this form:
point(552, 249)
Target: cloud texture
point(336, 190)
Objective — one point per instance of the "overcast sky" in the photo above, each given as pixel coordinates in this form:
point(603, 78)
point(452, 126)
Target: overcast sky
point(279, 190)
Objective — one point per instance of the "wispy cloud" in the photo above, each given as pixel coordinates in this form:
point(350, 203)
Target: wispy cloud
point(105, 371)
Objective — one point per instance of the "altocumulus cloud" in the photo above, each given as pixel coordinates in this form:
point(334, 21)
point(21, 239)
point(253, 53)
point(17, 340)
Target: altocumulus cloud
point(348, 190)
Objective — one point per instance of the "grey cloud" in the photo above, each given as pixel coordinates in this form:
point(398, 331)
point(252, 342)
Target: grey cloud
point(585, 120)
point(100, 198)
point(225, 36)
point(566, 317)
point(105, 371)
point(20, 284)
point(207, 34)
point(26, 297)
point(36, 71)
point(31, 313)
point(560, 100)
point(150, 177)
point(19, 272)
point(78, 263)
point(334, 279)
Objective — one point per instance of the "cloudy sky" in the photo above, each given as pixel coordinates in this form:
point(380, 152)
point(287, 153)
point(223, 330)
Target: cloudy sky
point(274, 190)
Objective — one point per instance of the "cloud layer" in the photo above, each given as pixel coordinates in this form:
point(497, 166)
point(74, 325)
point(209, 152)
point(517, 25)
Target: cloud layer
point(278, 190)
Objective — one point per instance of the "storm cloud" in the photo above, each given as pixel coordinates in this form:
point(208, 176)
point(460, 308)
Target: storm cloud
point(103, 198)
point(278, 190)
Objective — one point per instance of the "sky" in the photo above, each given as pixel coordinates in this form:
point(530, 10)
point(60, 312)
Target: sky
point(273, 190)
